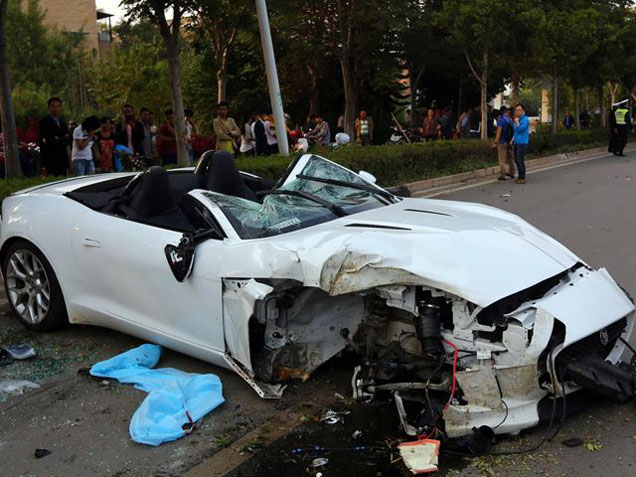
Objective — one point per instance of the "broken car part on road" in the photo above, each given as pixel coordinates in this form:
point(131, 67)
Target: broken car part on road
point(467, 316)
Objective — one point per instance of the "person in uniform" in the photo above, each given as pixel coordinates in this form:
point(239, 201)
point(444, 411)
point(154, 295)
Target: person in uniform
point(620, 123)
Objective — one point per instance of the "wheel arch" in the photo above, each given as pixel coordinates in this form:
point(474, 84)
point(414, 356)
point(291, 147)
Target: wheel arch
point(17, 238)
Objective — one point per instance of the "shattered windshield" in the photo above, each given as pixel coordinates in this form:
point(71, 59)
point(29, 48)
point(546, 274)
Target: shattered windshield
point(323, 191)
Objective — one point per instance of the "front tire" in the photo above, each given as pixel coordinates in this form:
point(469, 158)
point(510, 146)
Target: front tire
point(32, 288)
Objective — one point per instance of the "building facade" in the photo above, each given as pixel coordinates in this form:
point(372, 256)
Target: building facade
point(79, 17)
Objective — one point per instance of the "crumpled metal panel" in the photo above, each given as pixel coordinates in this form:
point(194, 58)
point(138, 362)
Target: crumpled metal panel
point(472, 251)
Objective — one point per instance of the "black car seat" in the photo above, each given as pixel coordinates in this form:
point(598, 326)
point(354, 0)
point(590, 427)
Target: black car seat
point(151, 201)
point(223, 177)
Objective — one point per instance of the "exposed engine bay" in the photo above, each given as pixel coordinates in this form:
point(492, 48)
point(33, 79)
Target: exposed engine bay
point(449, 365)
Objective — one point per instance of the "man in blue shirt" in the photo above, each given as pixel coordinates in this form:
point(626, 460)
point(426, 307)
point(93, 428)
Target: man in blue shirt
point(520, 140)
point(502, 143)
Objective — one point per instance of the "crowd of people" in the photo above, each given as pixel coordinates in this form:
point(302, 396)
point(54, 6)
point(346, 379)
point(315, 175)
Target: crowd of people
point(106, 145)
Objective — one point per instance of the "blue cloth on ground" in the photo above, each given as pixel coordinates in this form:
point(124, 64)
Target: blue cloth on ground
point(172, 394)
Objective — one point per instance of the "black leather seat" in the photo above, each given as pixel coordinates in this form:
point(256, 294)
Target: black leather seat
point(151, 201)
point(223, 177)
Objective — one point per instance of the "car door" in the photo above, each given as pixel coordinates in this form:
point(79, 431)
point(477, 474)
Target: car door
point(126, 277)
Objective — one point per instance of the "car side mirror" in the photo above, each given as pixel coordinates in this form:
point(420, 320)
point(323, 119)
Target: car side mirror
point(181, 258)
point(367, 176)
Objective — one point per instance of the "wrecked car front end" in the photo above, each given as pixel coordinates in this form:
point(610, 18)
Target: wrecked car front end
point(464, 315)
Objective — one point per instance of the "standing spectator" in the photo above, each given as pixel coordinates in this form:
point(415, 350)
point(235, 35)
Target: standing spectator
point(82, 154)
point(247, 138)
point(148, 145)
point(320, 135)
point(585, 118)
point(431, 127)
point(270, 133)
point(463, 124)
point(568, 120)
point(103, 147)
point(520, 140)
point(340, 125)
point(225, 130)
point(260, 138)
point(310, 124)
point(129, 131)
point(54, 138)
point(503, 136)
point(167, 141)
point(364, 129)
point(447, 124)
point(190, 132)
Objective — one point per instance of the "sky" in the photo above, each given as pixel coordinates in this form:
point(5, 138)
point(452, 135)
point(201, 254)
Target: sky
point(111, 6)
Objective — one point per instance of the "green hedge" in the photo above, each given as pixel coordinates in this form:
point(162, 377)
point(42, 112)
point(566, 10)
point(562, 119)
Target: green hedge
point(394, 165)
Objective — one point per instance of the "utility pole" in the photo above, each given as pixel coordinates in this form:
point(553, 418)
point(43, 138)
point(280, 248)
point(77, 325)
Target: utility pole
point(275, 97)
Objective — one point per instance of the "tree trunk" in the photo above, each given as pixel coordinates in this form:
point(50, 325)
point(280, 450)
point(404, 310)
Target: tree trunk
point(484, 98)
point(7, 115)
point(613, 89)
point(221, 86)
point(172, 49)
point(350, 94)
point(601, 101)
point(314, 96)
point(577, 107)
point(223, 56)
point(514, 95)
point(459, 98)
point(555, 103)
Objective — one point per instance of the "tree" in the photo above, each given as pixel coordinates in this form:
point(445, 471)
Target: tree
point(12, 158)
point(112, 82)
point(481, 27)
point(220, 21)
point(565, 37)
point(155, 10)
point(42, 60)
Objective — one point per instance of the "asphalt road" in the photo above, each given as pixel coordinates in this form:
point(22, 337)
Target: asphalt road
point(587, 206)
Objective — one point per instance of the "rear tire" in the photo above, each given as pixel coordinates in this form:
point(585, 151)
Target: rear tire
point(32, 288)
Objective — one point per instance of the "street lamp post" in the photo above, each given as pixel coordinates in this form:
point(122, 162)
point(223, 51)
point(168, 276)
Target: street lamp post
point(272, 77)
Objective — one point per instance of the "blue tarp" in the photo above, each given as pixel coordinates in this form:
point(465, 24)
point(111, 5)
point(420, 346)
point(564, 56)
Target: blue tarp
point(175, 398)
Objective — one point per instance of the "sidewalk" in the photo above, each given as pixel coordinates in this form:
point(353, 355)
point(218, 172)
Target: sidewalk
point(439, 185)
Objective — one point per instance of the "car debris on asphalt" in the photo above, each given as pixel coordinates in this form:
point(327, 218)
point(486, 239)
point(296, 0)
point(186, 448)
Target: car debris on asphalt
point(331, 417)
point(39, 453)
point(421, 456)
point(21, 351)
point(17, 386)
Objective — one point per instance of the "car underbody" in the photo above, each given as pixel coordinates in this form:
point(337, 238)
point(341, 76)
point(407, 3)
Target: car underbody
point(460, 366)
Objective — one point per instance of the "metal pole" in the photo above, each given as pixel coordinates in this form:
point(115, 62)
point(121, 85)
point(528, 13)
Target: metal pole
point(272, 77)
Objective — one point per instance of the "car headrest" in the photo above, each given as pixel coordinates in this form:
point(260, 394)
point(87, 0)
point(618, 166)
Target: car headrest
point(224, 177)
point(152, 195)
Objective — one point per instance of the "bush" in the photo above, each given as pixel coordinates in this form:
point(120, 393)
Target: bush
point(9, 186)
point(394, 165)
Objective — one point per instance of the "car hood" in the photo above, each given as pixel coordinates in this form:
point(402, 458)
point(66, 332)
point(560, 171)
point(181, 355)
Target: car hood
point(479, 253)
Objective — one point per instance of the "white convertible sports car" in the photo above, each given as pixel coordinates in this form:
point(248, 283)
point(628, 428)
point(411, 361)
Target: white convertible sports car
point(466, 309)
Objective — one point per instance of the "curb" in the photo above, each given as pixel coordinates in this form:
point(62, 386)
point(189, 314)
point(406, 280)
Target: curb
point(430, 187)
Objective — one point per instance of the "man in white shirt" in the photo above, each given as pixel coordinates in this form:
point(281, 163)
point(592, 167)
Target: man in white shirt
point(82, 154)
